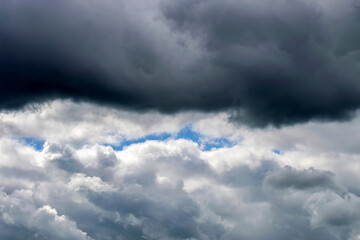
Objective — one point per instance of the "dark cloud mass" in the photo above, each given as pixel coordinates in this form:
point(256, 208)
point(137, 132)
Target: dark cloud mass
point(271, 62)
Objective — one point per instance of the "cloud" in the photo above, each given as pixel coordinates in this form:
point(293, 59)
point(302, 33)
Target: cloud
point(172, 188)
point(278, 62)
point(306, 179)
point(286, 61)
point(19, 209)
point(333, 210)
point(66, 121)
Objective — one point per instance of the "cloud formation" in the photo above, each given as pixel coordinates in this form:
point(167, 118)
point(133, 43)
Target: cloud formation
point(171, 188)
point(277, 62)
point(168, 190)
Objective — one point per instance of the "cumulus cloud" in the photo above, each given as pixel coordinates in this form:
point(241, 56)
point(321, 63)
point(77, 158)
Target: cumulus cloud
point(66, 121)
point(270, 62)
point(171, 188)
point(19, 209)
point(168, 190)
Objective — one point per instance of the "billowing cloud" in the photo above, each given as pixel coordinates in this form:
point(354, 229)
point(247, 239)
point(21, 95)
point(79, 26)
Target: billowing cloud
point(270, 184)
point(140, 138)
point(270, 62)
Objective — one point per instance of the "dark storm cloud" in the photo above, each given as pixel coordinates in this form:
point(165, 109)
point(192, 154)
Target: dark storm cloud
point(271, 62)
point(286, 61)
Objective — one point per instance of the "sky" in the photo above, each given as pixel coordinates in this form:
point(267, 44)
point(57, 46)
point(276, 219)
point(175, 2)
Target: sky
point(179, 119)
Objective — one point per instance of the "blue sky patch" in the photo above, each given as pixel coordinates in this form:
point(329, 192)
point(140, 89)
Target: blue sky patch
point(188, 133)
point(277, 151)
point(125, 143)
point(38, 144)
point(205, 143)
point(216, 143)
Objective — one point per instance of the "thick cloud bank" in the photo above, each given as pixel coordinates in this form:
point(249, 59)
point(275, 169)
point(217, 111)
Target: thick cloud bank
point(272, 62)
point(298, 182)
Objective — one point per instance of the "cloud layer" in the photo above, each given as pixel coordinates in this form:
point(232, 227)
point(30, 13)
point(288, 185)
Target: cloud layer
point(277, 62)
point(271, 184)
point(119, 119)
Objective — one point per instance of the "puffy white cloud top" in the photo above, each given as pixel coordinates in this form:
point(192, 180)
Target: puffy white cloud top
point(298, 182)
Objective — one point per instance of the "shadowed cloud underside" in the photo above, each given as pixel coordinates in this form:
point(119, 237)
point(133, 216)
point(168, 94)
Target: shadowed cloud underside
point(270, 62)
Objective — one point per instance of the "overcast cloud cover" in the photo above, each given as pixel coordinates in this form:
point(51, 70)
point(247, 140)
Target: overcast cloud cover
point(179, 119)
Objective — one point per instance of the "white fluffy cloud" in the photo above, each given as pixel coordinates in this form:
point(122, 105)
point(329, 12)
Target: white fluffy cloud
point(297, 182)
point(65, 121)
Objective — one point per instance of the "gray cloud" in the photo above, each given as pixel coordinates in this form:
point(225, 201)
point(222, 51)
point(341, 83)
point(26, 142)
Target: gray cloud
point(271, 63)
point(302, 180)
point(286, 61)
